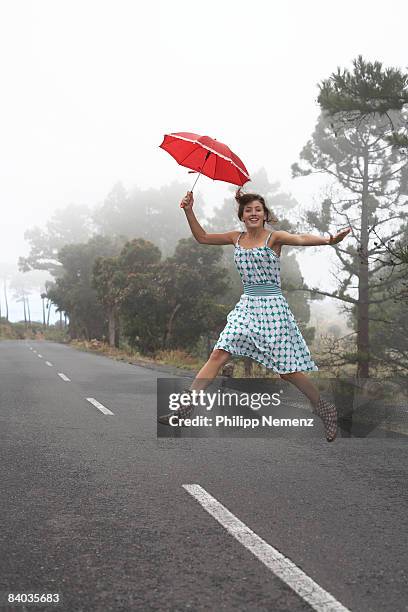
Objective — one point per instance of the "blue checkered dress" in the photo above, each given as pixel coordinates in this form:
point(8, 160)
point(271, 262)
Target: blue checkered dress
point(262, 326)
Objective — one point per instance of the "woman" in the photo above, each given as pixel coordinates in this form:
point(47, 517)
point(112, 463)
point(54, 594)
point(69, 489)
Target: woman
point(261, 326)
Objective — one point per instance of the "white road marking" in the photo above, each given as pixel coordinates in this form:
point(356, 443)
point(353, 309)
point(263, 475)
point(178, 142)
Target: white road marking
point(40, 356)
point(49, 363)
point(61, 375)
point(281, 566)
point(98, 405)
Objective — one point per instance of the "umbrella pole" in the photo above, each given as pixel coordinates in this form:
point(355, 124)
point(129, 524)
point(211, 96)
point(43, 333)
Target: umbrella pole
point(195, 182)
point(206, 157)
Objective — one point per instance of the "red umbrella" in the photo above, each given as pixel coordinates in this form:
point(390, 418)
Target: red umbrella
point(207, 156)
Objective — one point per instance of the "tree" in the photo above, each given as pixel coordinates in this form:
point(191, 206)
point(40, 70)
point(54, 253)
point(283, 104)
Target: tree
point(7, 270)
point(152, 214)
point(70, 225)
point(368, 89)
point(23, 286)
point(389, 318)
point(110, 277)
point(369, 191)
point(370, 92)
point(73, 292)
point(170, 304)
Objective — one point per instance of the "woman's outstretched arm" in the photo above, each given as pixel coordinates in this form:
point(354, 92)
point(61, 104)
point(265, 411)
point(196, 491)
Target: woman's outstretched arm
point(283, 237)
point(199, 232)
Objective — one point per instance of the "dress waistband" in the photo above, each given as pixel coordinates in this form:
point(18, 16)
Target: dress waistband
point(262, 289)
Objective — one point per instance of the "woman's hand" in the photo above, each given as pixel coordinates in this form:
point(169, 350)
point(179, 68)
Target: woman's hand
point(338, 237)
point(187, 201)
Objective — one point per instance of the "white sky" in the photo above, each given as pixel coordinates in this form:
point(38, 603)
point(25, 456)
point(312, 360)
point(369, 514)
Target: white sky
point(90, 87)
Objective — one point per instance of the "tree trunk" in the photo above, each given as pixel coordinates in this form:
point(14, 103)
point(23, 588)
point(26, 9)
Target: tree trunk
point(117, 330)
point(25, 311)
point(48, 314)
point(169, 327)
point(112, 326)
point(5, 298)
point(43, 308)
point(363, 348)
point(28, 312)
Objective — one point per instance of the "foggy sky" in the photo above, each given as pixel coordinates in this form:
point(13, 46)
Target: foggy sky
point(90, 87)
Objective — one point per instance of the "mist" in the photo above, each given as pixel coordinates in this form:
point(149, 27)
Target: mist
point(91, 88)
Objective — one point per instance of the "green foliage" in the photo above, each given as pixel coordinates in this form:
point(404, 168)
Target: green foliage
point(110, 274)
point(73, 291)
point(367, 89)
point(351, 146)
point(389, 325)
point(168, 305)
point(117, 276)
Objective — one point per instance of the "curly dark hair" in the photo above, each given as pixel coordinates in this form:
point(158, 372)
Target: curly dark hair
point(246, 198)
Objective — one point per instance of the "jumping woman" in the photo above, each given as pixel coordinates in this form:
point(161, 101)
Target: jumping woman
point(261, 326)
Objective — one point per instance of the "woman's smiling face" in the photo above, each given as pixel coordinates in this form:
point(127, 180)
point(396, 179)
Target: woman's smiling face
point(253, 215)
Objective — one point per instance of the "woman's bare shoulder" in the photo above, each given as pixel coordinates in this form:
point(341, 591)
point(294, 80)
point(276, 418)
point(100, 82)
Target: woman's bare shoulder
point(274, 241)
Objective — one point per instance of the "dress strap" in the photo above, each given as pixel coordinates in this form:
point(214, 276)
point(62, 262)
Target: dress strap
point(267, 239)
point(236, 244)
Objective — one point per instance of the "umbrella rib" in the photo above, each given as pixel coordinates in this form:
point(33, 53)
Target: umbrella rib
point(215, 169)
point(190, 153)
point(212, 151)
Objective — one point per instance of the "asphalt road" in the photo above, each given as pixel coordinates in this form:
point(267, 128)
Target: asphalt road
point(96, 508)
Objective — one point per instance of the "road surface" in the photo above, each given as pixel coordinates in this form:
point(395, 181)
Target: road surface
point(98, 509)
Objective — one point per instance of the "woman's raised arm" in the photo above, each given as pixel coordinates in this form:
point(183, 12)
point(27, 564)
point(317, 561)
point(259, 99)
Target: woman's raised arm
point(199, 232)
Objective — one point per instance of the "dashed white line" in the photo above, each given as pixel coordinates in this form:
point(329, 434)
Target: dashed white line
point(40, 356)
point(49, 363)
point(61, 375)
point(281, 566)
point(98, 405)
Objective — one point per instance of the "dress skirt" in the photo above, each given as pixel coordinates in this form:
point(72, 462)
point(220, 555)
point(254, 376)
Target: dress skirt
point(264, 329)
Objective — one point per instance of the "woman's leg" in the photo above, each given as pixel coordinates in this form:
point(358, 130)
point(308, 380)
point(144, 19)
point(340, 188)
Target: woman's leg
point(304, 384)
point(210, 369)
point(208, 372)
point(325, 410)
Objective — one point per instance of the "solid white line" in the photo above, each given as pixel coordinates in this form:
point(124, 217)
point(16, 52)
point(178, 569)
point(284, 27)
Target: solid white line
point(61, 375)
point(98, 405)
point(48, 364)
point(281, 566)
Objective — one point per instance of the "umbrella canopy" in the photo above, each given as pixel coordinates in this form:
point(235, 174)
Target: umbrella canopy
point(207, 156)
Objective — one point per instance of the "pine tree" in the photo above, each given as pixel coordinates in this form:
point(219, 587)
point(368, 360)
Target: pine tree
point(370, 186)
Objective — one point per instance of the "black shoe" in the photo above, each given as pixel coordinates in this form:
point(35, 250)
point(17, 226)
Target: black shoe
point(184, 412)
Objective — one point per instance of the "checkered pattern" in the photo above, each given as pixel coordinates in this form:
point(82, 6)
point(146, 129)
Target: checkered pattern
point(328, 413)
point(263, 327)
point(181, 412)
